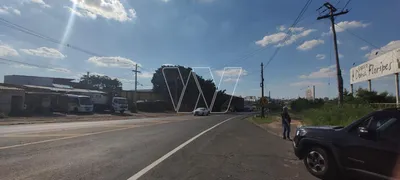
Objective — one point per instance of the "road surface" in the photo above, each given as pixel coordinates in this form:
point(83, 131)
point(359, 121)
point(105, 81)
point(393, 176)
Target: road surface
point(183, 147)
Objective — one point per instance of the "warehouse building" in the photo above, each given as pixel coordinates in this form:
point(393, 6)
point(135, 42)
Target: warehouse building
point(11, 100)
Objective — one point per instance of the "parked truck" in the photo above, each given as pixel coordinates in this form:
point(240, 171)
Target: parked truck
point(108, 101)
point(71, 103)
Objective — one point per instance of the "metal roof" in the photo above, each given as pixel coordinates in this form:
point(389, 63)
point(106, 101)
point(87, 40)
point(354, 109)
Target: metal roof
point(68, 90)
point(10, 88)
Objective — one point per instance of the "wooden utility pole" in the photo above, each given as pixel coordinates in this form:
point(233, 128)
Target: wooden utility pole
point(87, 78)
point(136, 83)
point(332, 16)
point(262, 90)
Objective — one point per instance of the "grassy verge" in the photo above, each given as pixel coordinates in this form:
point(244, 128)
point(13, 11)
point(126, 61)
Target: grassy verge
point(334, 115)
point(265, 120)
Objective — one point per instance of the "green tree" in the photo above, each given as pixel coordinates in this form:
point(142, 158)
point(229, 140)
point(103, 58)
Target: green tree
point(173, 79)
point(374, 97)
point(97, 82)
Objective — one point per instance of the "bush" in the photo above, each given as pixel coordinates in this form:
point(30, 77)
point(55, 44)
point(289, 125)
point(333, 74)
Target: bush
point(301, 104)
point(2, 115)
point(157, 106)
point(332, 114)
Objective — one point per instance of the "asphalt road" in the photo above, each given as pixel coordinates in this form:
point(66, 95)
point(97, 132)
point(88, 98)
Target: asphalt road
point(184, 147)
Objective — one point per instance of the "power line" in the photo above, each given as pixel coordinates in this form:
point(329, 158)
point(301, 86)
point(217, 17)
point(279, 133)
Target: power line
point(36, 34)
point(28, 64)
point(355, 35)
point(289, 34)
point(346, 4)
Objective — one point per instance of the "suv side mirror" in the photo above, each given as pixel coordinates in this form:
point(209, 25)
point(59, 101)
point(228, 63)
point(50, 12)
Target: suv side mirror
point(366, 133)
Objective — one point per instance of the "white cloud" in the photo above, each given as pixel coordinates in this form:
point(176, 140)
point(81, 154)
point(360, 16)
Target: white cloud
point(388, 47)
point(320, 56)
point(118, 62)
point(41, 3)
point(109, 9)
point(364, 48)
point(145, 75)
point(81, 14)
point(296, 29)
point(44, 52)
point(295, 37)
point(306, 83)
point(23, 66)
point(231, 79)
point(281, 28)
point(278, 38)
point(61, 70)
point(271, 39)
point(231, 72)
point(307, 45)
point(345, 25)
point(321, 73)
point(9, 10)
point(6, 50)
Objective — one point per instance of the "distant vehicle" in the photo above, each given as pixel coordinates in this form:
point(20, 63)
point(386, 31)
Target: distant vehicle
point(119, 104)
point(104, 101)
point(72, 103)
point(367, 148)
point(201, 112)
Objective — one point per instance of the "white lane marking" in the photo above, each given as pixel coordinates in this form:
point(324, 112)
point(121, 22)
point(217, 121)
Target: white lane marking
point(161, 159)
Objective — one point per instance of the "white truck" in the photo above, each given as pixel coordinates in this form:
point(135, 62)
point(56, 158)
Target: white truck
point(104, 101)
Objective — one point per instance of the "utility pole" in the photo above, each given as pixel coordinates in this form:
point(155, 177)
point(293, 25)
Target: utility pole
point(331, 16)
point(136, 83)
point(262, 90)
point(87, 79)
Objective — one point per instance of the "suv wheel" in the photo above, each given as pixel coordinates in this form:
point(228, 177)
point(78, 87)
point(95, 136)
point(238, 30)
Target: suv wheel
point(320, 164)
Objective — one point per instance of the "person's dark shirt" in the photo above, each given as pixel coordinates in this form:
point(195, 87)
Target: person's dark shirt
point(285, 115)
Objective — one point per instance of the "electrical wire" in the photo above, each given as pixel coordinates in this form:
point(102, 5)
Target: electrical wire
point(17, 27)
point(346, 4)
point(28, 64)
point(289, 31)
point(355, 35)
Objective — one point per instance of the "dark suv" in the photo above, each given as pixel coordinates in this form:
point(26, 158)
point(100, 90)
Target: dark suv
point(366, 149)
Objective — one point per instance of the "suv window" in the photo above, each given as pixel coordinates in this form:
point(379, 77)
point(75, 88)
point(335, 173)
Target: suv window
point(390, 130)
point(376, 121)
point(387, 124)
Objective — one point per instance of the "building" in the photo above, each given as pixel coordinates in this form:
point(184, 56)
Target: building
point(142, 95)
point(310, 93)
point(38, 81)
point(11, 99)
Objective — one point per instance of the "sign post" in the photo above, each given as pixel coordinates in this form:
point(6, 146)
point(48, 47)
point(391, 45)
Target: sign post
point(383, 65)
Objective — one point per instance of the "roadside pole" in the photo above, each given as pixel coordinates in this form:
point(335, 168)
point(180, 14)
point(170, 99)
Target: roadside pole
point(397, 89)
point(331, 16)
point(369, 85)
point(136, 83)
point(262, 90)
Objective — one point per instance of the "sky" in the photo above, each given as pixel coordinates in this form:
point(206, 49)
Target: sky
point(220, 38)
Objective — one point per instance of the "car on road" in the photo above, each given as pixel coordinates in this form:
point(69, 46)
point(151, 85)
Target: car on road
point(368, 148)
point(201, 112)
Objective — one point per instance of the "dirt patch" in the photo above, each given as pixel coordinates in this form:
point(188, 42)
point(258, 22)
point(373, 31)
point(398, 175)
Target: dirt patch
point(83, 117)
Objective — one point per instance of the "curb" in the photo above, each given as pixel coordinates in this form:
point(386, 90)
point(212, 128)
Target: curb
point(270, 131)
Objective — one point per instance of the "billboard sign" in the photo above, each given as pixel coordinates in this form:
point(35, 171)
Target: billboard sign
point(386, 64)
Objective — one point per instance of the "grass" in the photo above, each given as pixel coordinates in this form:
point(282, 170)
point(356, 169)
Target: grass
point(265, 120)
point(334, 115)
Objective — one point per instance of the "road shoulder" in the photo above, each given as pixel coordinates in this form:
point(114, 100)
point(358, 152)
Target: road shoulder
point(235, 150)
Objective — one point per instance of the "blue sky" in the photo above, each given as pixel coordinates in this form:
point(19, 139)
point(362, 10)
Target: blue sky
point(198, 33)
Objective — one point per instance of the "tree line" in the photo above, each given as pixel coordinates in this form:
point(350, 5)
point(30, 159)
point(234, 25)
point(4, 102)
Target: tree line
point(169, 79)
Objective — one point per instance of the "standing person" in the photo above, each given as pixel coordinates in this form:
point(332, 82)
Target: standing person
point(286, 123)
